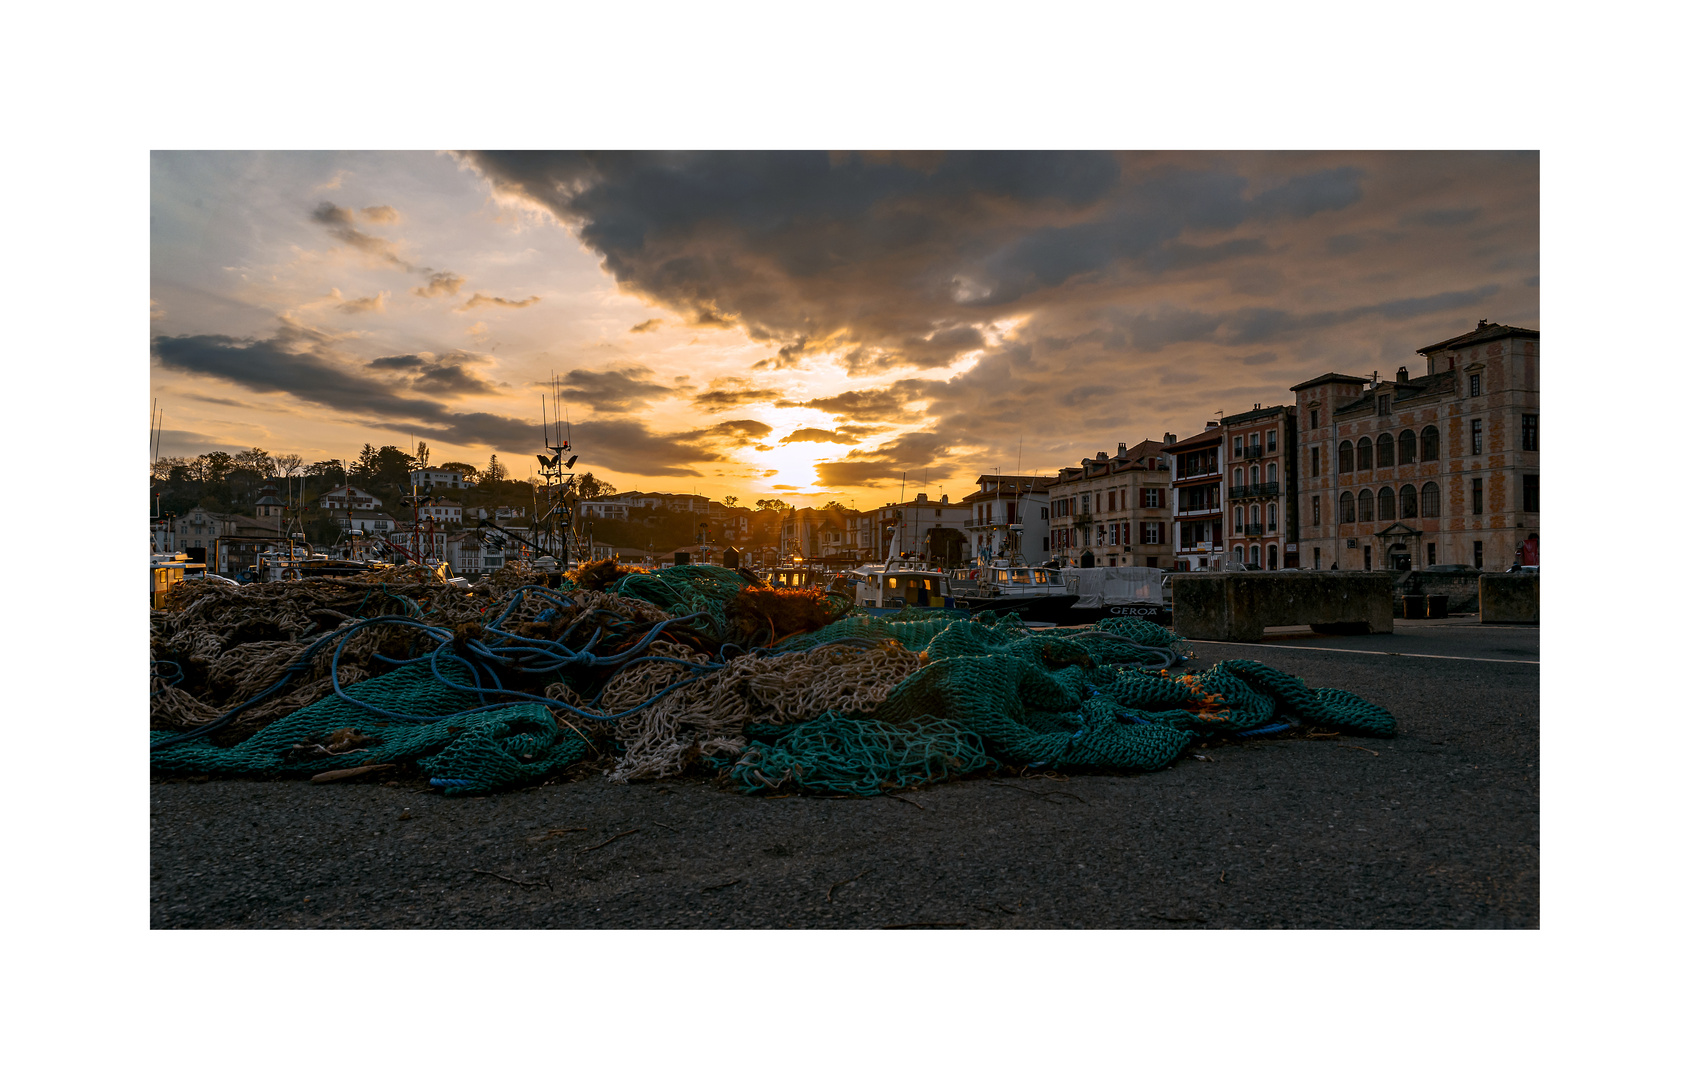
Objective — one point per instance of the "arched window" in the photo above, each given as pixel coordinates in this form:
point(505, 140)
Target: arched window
point(1238, 478)
point(1273, 517)
point(1405, 448)
point(1364, 504)
point(1347, 456)
point(1238, 554)
point(1273, 472)
point(1238, 519)
point(1364, 454)
point(1431, 505)
point(1429, 444)
point(1408, 501)
point(1387, 451)
point(1255, 513)
point(1255, 554)
point(1347, 508)
point(1255, 475)
point(1387, 504)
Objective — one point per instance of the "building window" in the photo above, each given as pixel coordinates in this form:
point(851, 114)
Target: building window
point(1255, 555)
point(1255, 475)
point(1383, 403)
point(1238, 554)
point(1238, 478)
point(1528, 493)
point(1238, 445)
point(1255, 439)
point(1473, 385)
point(1273, 440)
point(1528, 431)
point(1314, 507)
point(1478, 496)
point(1273, 517)
point(1150, 497)
point(1387, 505)
point(1429, 444)
point(1314, 422)
point(1408, 500)
point(1364, 454)
point(1430, 506)
point(1478, 554)
point(1387, 451)
point(1478, 429)
point(1346, 509)
point(1273, 472)
point(1255, 513)
point(1346, 457)
point(1364, 504)
point(1273, 557)
point(1238, 519)
point(1405, 448)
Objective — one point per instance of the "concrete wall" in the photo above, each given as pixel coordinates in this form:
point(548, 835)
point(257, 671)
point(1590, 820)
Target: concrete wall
point(1239, 606)
point(1461, 586)
point(1508, 598)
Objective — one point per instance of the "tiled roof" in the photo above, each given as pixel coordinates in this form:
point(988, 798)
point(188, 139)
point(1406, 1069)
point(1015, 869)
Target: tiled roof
point(1439, 382)
point(1330, 376)
point(1203, 438)
point(1485, 331)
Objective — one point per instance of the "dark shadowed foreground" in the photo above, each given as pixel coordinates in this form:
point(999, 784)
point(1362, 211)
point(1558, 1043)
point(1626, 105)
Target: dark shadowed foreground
point(1437, 827)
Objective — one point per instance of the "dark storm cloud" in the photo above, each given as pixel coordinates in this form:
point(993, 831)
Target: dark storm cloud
point(1120, 274)
point(613, 390)
point(452, 380)
point(299, 361)
point(339, 222)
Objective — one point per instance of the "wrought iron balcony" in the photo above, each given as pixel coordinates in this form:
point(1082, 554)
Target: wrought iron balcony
point(1252, 452)
point(1252, 530)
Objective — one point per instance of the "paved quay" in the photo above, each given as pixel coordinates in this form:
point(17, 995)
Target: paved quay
point(1437, 827)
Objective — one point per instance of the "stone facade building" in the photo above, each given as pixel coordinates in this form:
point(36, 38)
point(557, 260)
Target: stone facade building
point(1115, 511)
point(1259, 455)
point(1430, 470)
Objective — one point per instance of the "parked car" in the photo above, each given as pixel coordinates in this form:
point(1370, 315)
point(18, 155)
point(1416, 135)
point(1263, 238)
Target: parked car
point(1521, 570)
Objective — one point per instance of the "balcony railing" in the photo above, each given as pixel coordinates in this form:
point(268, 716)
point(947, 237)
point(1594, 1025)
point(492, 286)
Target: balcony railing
point(1251, 491)
point(1252, 530)
point(1197, 511)
point(1082, 519)
point(1252, 452)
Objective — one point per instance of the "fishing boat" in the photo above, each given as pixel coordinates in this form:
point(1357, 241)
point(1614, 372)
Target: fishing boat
point(1035, 593)
point(894, 585)
point(1107, 592)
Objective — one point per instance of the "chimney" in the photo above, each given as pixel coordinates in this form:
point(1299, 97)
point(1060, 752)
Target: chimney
point(1120, 449)
point(1402, 374)
point(1256, 406)
point(921, 496)
point(1169, 438)
point(944, 500)
point(1211, 424)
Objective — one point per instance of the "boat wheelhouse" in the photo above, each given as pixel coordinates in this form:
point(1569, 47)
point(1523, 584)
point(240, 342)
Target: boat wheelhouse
point(882, 588)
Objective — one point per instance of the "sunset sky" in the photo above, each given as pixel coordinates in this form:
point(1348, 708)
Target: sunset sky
point(804, 325)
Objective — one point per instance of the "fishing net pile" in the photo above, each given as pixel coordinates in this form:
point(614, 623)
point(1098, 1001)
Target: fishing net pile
point(692, 670)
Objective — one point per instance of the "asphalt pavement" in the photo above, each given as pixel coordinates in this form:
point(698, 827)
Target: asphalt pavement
point(1437, 827)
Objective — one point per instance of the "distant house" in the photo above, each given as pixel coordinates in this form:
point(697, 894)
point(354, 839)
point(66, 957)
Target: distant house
point(438, 478)
point(343, 498)
point(443, 510)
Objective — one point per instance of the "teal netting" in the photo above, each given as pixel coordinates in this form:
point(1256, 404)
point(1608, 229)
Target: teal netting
point(460, 751)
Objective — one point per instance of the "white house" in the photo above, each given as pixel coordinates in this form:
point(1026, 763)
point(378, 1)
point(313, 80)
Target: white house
point(439, 478)
point(444, 510)
point(342, 498)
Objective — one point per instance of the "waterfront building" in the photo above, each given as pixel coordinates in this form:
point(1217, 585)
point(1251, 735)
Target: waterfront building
point(1436, 469)
point(1115, 511)
point(1199, 540)
point(1258, 456)
point(1008, 514)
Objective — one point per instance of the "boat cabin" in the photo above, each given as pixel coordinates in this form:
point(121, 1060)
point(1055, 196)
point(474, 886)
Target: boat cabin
point(898, 584)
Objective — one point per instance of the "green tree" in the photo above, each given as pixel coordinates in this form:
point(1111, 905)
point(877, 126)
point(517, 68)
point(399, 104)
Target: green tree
point(332, 473)
point(589, 486)
point(494, 472)
point(774, 504)
point(730, 500)
point(259, 461)
point(467, 469)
